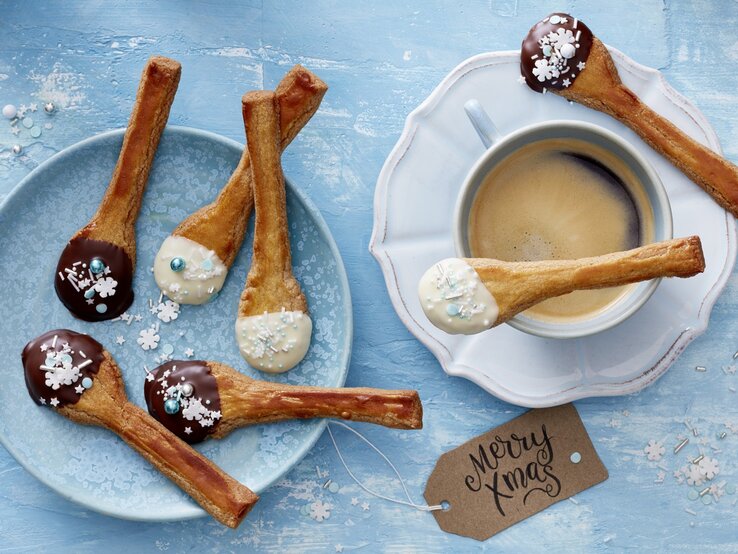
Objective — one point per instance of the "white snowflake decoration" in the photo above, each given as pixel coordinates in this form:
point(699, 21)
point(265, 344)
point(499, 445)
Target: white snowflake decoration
point(105, 286)
point(694, 475)
point(194, 410)
point(654, 450)
point(560, 37)
point(59, 368)
point(320, 511)
point(167, 311)
point(544, 71)
point(148, 339)
point(709, 467)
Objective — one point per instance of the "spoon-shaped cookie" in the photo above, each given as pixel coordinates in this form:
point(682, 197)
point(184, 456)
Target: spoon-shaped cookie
point(95, 270)
point(273, 327)
point(561, 55)
point(192, 263)
point(467, 296)
point(76, 376)
point(197, 399)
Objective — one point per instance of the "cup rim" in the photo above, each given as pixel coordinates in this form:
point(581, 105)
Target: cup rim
point(628, 304)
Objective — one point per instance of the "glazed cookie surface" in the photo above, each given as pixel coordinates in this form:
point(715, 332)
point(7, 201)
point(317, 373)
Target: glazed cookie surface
point(187, 272)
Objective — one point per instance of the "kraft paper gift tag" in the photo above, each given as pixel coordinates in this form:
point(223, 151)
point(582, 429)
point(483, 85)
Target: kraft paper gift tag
point(513, 471)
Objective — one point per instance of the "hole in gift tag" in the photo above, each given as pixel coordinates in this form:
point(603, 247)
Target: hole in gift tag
point(575, 457)
point(445, 506)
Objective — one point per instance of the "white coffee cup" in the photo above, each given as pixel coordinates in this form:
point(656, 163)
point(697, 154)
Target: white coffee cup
point(499, 147)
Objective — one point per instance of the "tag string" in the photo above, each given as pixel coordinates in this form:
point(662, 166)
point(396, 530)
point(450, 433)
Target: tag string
point(409, 502)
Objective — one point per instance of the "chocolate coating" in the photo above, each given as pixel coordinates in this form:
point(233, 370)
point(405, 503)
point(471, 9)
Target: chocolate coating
point(110, 292)
point(61, 360)
point(554, 52)
point(200, 412)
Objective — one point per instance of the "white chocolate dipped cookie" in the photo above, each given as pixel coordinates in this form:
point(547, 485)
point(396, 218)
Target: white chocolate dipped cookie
point(274, 342)
point(187, 272)
point(455, 300)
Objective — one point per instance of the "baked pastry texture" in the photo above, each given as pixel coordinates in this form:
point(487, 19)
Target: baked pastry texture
point(95, 270)
point(467, 296)
point(561, 55)
point(76, 376)
point(193, 262)
point(199, 399)
point(273, 328)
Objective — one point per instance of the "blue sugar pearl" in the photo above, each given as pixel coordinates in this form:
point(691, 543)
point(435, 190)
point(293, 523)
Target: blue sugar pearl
point(89, 293)
point(171, 406)
point(207, 264)
point(177, 264)
point(97, 266)
point(452, 309)
point(87, 383)
point(101, 308)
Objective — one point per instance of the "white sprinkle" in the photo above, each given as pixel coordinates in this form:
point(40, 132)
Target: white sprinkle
point(70, 271)
point(576, 22)
point(61, 275)
point(534, 56)
point(76, 264)
point(579, 33)
point(700, 368)
point(82, 354)
point(731, 389)
point(691, 512)
point(84, 364)
point(735, 355)
point(573, 500)
point(53, 342)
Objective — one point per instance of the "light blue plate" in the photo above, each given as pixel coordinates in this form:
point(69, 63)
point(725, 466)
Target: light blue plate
point(89, 465)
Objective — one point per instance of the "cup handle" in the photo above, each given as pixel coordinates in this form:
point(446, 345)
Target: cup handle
point(482, 123)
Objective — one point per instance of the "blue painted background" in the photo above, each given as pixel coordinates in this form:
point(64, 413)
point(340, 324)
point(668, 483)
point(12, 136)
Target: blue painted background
point(380, 60)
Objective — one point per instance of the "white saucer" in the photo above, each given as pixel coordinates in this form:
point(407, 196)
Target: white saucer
point(413, 210)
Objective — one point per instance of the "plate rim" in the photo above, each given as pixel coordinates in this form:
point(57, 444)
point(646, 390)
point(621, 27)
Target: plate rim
point(439, 350)
point(193, 510)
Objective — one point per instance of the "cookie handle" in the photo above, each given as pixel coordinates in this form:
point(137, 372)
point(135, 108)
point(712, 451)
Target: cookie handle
point(122, 201)
point(518, 285)
point(219, 494)
point(716, 175)
point(252, 402)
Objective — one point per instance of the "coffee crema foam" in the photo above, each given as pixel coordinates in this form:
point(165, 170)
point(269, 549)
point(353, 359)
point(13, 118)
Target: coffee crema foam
point(559, 199)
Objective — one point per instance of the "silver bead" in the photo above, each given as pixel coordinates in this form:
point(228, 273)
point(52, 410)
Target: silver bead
point(187, 389)
point(49, 107)
point(17, 149)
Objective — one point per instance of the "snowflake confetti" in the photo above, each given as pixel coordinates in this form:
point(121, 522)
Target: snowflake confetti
point(167, 311)
point(148, 339)
point(654, 450)
point(320, 511)
point(709, 467)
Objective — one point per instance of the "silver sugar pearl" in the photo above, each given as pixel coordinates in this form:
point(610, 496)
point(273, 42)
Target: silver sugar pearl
point(49, 107)
point(17, 149)
point(187, 389)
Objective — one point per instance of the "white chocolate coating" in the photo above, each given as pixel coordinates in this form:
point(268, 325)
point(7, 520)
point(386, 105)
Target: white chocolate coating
point(199, 281)
point(455, 300)
point(274, 342)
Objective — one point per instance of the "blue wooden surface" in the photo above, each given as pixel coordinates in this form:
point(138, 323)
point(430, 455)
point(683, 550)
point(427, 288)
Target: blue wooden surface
point(381, 60)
